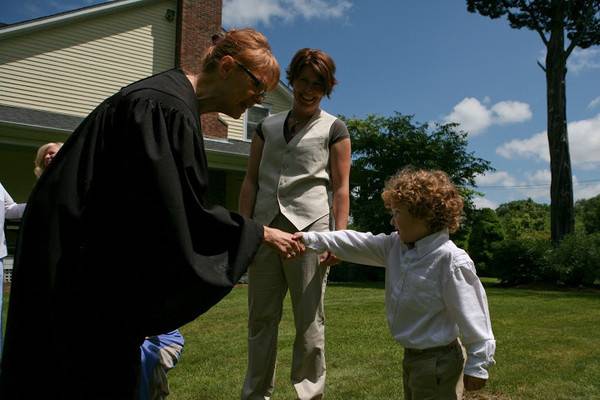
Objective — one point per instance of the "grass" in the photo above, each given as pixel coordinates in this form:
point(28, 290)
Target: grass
point(548, 347)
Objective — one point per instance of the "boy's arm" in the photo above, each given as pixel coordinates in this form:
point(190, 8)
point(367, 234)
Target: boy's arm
point(467, 302)
point(356, 247)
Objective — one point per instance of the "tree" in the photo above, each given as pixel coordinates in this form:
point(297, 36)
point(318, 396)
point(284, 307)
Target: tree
point(588, 211)
point(383, 145)
point(486, 230)
point(525, 219)
point(551, 19)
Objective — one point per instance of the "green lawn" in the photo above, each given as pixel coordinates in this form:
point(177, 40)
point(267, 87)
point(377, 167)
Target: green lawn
point(548, 347)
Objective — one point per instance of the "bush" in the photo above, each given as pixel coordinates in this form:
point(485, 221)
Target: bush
point(588, 211)
point(521, 261)
point(485, 231)
point(348, 272)
point(577, 259)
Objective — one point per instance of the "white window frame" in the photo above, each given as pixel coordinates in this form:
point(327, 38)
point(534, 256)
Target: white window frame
point(268, 107)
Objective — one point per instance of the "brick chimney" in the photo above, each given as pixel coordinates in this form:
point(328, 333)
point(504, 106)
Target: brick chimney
point(197, 21)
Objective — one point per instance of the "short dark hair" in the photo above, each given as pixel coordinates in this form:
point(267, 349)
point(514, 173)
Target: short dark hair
point(319, 61)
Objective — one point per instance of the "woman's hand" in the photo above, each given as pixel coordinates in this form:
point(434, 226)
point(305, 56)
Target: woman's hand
point(284, 242)
point(473, 383)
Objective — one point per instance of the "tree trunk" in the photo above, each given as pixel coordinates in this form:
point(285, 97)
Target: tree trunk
point(562, 219)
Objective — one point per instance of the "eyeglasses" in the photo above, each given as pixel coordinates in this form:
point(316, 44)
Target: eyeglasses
point(257, 82)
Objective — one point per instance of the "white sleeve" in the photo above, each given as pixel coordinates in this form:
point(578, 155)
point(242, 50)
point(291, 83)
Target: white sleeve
point(12, 209)
point(352, 246)
point(467, 302)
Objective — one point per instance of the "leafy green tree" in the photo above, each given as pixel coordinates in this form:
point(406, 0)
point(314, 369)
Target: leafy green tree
point(577, 259)
point(486, 230)
point(383, 145)
point(525, 219)
point(588, 211)
point(552, 19)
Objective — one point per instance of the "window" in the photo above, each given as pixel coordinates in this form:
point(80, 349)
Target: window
point(254, 115)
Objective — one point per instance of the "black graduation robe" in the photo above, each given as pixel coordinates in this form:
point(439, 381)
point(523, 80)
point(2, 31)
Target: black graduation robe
point(117, 243)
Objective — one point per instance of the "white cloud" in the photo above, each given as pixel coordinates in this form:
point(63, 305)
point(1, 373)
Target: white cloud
point(539, 177)
point(507, 112)
point(594, 103)
point(584, 143)
point(584, 140)
point(582, 59)
point(482, 202)
point(534, 147)
point(498, 178)
point(254, 12)
point(586, 190)
point(535, 185)
point(475, 117)
point(472, 116)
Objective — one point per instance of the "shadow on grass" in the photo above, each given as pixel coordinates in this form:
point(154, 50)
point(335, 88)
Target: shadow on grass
point(532, 290)
point(542, 289)
point(482, 395)
point(361, 285)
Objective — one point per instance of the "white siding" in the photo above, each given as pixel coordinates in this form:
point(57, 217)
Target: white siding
point(280, 101)
point(235, 127)
point(71, 68)
point(276, 101)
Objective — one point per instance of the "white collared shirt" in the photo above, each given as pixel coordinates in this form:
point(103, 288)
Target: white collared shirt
point(8, 210)
point(432, 292)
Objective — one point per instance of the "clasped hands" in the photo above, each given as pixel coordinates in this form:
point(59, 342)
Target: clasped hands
point(290, 245)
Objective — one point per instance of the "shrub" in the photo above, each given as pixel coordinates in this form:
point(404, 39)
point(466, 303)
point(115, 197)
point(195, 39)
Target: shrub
point(485, 231)
point(588, 211)
point(521, 261)
point(577, 259)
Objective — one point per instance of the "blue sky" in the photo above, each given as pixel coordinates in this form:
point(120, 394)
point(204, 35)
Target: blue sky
point(438, 62)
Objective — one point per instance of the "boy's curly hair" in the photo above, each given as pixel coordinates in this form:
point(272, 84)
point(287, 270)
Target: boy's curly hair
point(428, 195)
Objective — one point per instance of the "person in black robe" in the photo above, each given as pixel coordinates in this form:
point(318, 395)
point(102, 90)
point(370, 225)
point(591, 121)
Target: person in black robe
point(118, 243)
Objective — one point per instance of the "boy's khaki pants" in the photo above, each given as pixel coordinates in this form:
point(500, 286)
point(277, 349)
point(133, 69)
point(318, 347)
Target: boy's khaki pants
point(434, 374)
point(269, 279)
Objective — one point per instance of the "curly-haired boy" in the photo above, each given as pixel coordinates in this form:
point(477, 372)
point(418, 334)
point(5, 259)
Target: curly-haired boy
point(432, 293)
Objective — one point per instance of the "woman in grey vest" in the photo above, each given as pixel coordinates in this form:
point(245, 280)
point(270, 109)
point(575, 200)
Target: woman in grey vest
point(299, 161)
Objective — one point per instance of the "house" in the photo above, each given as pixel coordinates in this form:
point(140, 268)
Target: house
point(54, 70)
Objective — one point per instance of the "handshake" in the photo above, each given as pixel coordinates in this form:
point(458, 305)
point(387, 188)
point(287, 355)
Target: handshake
point(291, 245)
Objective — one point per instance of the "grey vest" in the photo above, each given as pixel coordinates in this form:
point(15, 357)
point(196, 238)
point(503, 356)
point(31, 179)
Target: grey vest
point(293, 178)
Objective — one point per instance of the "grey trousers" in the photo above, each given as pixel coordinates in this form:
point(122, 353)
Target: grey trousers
point(434, 374)
point(269, 278)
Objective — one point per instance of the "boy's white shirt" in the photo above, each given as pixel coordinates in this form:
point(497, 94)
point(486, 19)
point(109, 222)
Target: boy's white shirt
point(432, 292)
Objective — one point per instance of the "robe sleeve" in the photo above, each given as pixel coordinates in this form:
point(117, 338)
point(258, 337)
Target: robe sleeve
point(194, 252)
